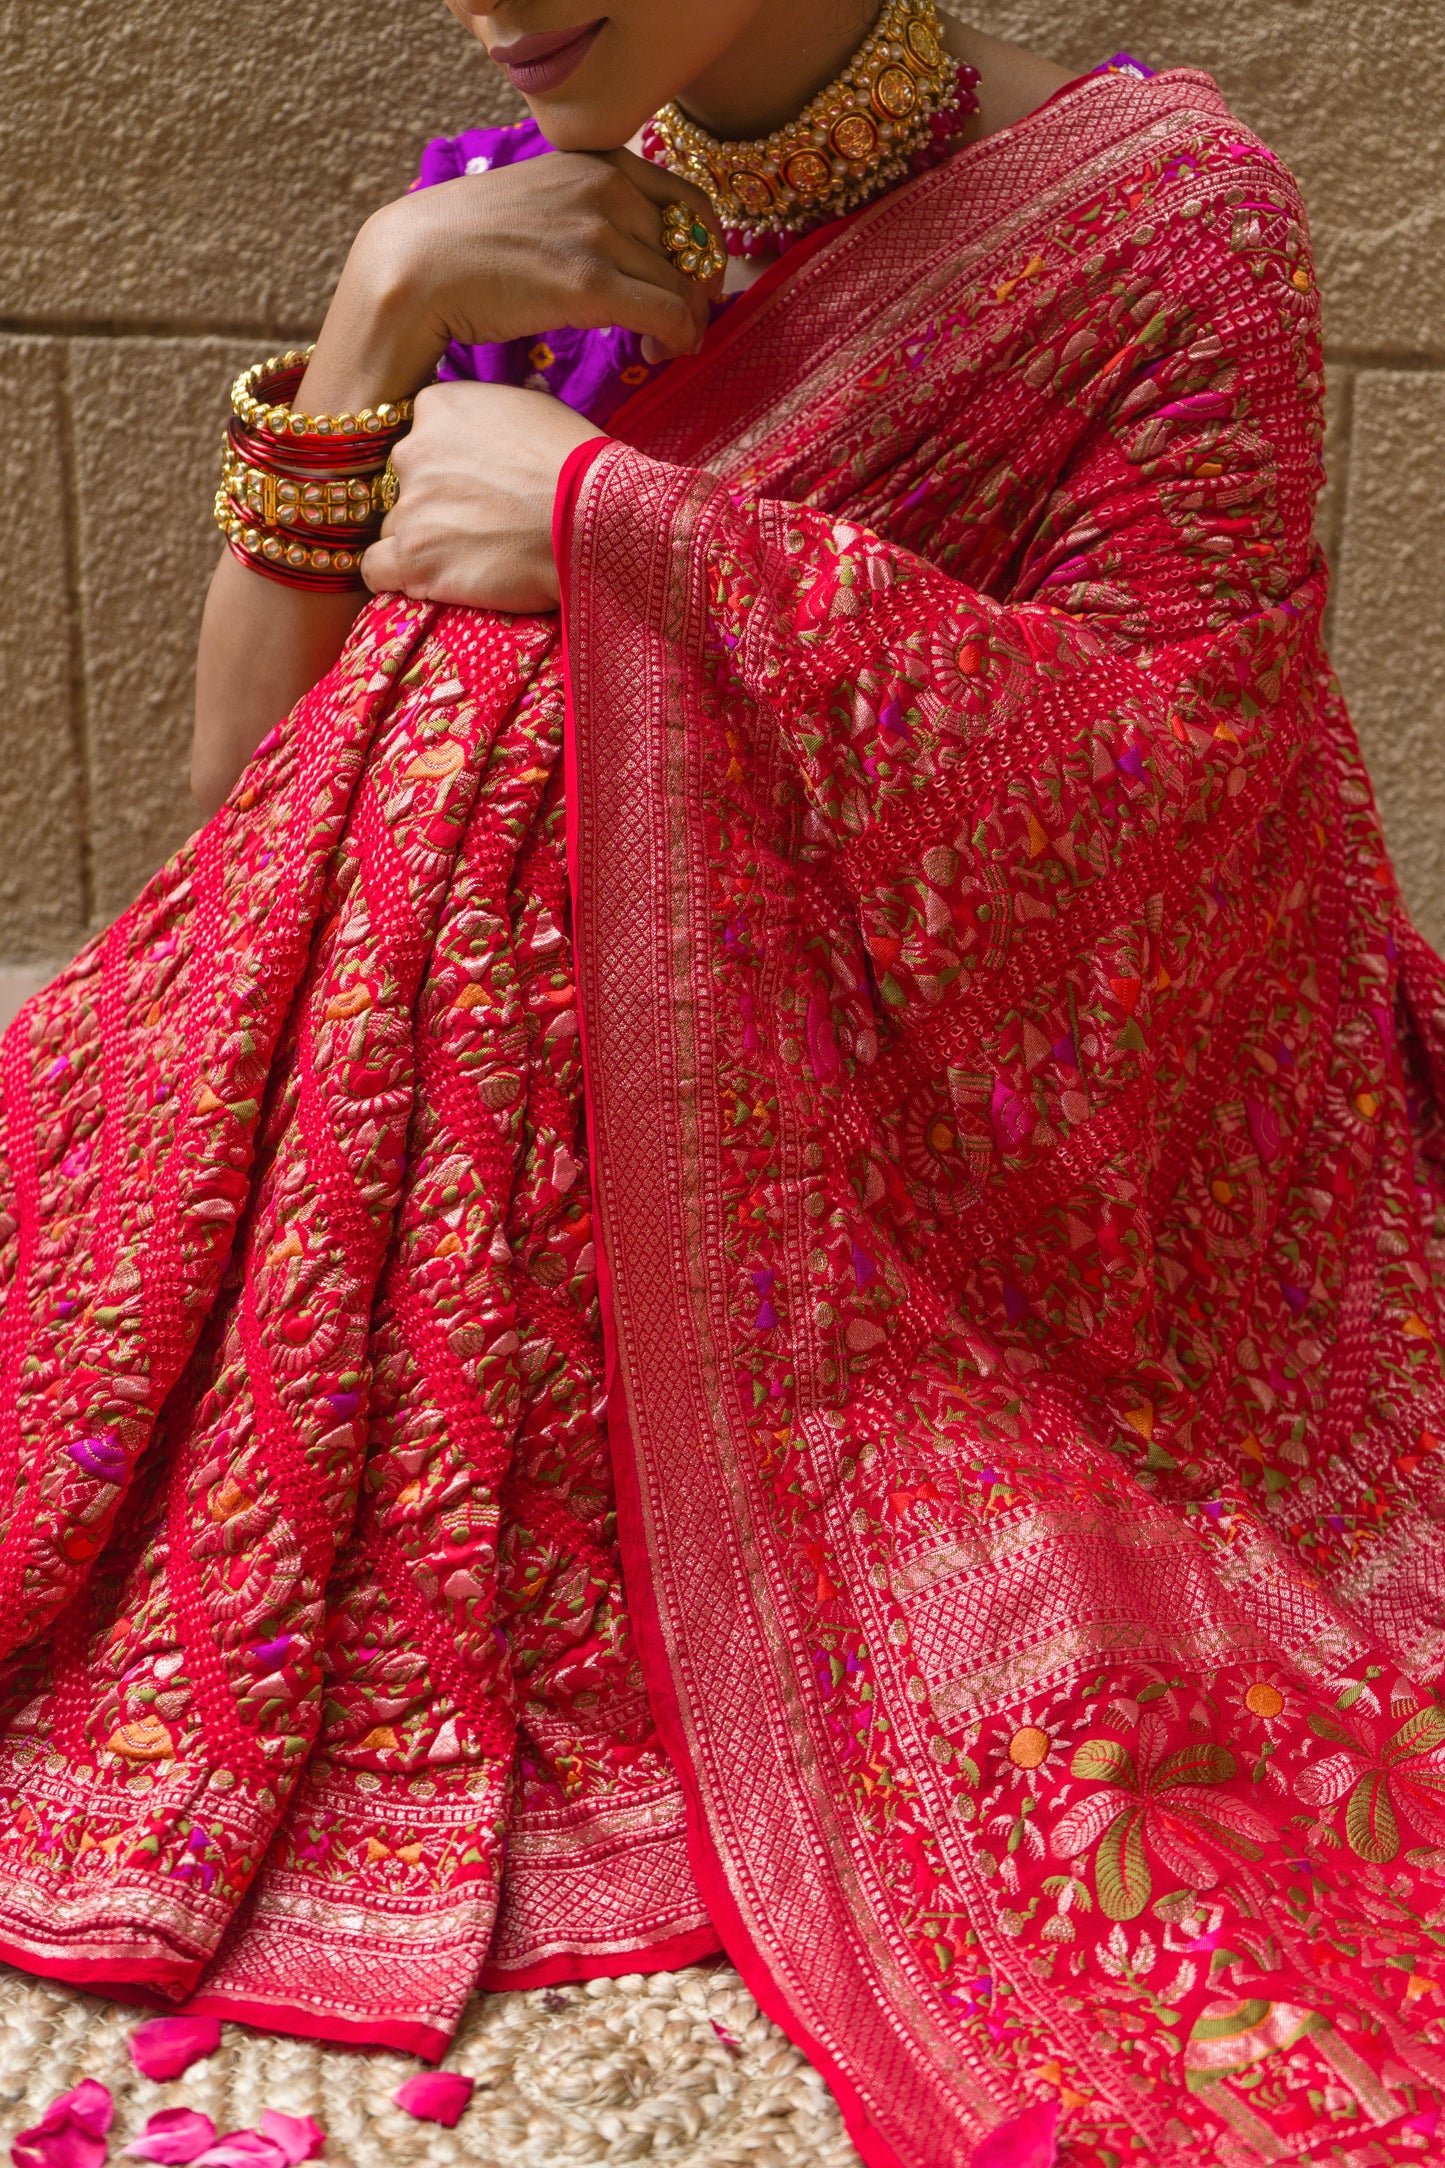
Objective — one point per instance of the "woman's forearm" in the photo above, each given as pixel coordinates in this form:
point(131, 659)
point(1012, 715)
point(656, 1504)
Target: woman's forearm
point(570, 239)
point(262, 646)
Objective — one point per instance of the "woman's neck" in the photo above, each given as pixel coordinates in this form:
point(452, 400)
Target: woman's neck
point(796, 52)
point(784, 57)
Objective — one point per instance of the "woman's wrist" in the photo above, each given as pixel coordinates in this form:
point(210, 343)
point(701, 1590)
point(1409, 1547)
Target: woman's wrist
point(381, 339)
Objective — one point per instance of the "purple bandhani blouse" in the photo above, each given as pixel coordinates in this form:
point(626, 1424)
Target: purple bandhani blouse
point(591, 371)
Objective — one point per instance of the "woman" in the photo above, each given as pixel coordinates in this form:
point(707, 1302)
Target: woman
point(1002, 1073)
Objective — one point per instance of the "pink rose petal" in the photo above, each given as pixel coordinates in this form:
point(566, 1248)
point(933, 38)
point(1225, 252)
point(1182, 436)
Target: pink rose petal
point(90, 2105)
point(65, 2145)
point(298, 2137)
point(166, 2046)
point(242, 2149)
point(71, 2133)
point(1028, 2140)
point(435, 2096)
point(174, 2134)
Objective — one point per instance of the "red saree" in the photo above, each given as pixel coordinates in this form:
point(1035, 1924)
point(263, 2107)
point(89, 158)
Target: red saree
point(1012, 1116)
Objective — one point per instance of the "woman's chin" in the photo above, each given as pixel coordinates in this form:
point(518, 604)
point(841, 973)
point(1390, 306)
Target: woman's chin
point(575, 124)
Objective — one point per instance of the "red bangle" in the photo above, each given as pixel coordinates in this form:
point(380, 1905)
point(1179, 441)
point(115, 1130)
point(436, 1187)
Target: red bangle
point(287, 557)
point(301, 496)
point(316, 583)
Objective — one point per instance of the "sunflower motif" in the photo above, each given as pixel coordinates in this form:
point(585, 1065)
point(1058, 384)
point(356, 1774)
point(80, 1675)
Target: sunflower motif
point(1232, 1206)
point(1354, 1108)
point(143, 1739)
point(939, 1153)
point(974, 673)
point(1031, 1746)
point(1265, 1703)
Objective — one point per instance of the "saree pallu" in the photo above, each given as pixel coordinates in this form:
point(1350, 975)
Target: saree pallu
point(999, 1091)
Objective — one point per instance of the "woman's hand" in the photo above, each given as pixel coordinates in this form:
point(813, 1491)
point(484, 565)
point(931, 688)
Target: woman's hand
point(567, 239)
point(478, 476)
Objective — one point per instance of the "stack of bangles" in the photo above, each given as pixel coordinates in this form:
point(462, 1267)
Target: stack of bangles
point(303, 495)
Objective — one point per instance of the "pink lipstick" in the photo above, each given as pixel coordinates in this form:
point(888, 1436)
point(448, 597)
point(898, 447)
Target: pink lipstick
point(543, 63)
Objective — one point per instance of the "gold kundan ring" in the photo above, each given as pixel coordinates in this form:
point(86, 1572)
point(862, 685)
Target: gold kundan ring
point(693, 247)
point(389, 489)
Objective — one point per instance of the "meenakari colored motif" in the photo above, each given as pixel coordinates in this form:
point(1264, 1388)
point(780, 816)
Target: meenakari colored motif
point(1012, 1148)
point(901, 95)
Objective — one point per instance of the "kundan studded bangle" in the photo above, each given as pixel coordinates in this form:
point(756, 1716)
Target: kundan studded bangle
point(255, 405)
point(318, 565)
point(302, 495)
point(276, 498)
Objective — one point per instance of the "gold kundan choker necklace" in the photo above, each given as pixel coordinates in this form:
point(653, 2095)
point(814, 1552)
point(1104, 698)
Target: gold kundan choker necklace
point(894, 109)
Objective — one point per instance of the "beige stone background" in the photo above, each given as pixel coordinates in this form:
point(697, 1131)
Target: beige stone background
point(179, 180)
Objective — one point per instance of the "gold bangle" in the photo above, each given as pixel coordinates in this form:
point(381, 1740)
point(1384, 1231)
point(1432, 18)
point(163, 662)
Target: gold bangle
point(255, 412)
point(285, 551)
point(299, 500)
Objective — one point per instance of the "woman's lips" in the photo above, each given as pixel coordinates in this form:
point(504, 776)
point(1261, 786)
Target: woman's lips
point(542, 63)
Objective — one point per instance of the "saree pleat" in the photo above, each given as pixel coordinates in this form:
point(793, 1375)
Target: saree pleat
point(1012, 1116)
point(359, 1620)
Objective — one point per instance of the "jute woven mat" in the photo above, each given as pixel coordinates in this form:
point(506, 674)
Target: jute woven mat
point(670, 2067)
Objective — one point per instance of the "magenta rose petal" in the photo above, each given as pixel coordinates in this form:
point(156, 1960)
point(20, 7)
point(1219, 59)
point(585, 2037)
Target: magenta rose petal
point(164, 2047)
point(435, 2096)
point(63, 2145)
point(1027, 2140)
point(174, 2134)
point(71, 2133)
point(298, 2136)
point(242, 2149)
point(89, 2105)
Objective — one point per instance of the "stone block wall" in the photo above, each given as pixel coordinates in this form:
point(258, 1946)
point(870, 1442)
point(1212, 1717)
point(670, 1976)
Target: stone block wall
point(179, 181)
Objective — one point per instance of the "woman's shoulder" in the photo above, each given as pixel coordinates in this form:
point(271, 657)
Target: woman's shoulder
point(479, 150)
point(1014, 81)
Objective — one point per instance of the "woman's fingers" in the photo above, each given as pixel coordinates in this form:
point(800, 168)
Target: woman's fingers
point(473, 523)
point(623, 284)
point(635, 207)
point(673, 320)
point(381, 567)
point(642, 265)
point(661, 187)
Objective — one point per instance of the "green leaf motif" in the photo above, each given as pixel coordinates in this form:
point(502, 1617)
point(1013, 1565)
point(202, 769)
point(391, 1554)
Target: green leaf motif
point(1324, 1726)
point(1419, 1734)
point(1220, 1830)
point(1121, 1872)
point(1104, 1761)
point(1206, 1763)
point(1370, 1823)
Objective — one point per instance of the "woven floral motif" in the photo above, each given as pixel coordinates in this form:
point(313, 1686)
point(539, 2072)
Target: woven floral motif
point(1012, 1116)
